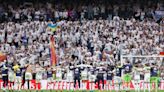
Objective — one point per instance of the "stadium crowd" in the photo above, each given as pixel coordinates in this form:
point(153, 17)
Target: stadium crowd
point(95, 36)
point(74, 10)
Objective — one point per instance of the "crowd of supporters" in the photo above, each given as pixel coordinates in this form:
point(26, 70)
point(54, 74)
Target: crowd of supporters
point(92, 34)
point(77, 9)
point(78, 41)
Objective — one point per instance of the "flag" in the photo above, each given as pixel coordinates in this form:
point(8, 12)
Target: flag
point(53, 57)
point(2, 56)
point(52, 27)
point(57, 25)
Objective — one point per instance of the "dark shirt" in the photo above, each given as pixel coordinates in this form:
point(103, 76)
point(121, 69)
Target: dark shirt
point(101, 72)
point(49, 74)
point(127, 68)
point(92, 70)
point(4, 70)
point(19, 72)
point(109, 75)
point(154, 72)
point(118, 71)
point(77, 72)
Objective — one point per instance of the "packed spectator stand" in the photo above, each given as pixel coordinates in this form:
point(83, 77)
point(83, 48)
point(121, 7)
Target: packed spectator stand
point(99, 31)
point(14, 10)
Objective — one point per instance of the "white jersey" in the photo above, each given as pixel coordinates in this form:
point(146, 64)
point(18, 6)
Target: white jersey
point(147, 74)
point(84, 75)
point(137, 74)
point(92, 77)
point(59, 74)
point(69, 76)
point(39, 74)
point(11, 76)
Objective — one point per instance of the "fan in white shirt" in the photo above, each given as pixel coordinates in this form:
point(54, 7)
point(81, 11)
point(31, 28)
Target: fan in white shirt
point(2, 37)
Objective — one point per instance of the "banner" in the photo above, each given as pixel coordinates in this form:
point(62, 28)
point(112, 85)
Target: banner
point(64, 85)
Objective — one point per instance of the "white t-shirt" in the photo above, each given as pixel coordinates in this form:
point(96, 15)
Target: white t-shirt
point(17, 15)
point(16, 39)
point(61, 14)
point(65, 14)
point(2, 37)
point(9, 38)
point(37, 13)
point(22, 48)
point(33, 58)
point(56, 14)
point(114, 34)
point(44, 36)
point(2, 49)
point(30, 40)
point(7, 47)
point(22, 61)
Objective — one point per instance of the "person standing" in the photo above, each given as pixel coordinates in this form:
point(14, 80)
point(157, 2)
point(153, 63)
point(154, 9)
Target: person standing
point(39, 75)
point(100, 76)
point(50, 76)
point(117, 77)
point(4, 70)
point(23, 68)
point(28, 75)
point(127, 73)
point(109, 78)
point(77, 74)
point(154, 72)
point(92, 76)
point(11, 78)
point(147, 76)
point(18, 73)
point(137, 72)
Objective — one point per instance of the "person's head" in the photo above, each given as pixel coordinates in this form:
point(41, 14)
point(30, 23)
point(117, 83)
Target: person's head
point(37, 64)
